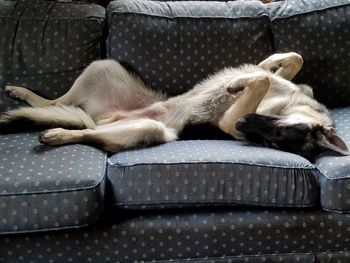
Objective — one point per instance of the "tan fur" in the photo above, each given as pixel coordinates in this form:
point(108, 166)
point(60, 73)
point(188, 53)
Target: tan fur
point(128, 113)
point(66, 116)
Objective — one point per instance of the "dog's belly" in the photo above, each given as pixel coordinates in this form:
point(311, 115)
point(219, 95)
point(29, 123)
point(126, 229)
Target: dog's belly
point(155, 112)
point(272, 106)
point(109, 109)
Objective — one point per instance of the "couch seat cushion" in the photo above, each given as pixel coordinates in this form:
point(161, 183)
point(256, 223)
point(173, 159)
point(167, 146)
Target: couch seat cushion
point(335, 169)
point(210, 172)
point(45, 187)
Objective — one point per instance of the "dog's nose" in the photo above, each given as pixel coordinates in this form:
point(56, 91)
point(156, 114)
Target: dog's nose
point(242, 120)
point(240, 124)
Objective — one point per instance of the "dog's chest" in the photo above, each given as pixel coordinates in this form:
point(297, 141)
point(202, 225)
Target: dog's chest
point(278, 97)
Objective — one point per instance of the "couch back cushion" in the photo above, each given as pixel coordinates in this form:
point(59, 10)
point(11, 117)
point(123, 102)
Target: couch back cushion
point(45, 45)
point(173, 45)
point(319, 30)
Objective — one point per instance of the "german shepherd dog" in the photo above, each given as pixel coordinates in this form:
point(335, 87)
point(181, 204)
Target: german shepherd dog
point(109, 107)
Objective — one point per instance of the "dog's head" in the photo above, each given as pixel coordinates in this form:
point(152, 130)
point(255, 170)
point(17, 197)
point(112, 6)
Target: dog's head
point(305, 139)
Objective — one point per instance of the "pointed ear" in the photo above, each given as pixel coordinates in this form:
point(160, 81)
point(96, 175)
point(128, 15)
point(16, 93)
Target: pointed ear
point(333, 142)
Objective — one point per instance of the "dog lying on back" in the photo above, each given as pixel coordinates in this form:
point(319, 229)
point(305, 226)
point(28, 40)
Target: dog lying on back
point(109, 107)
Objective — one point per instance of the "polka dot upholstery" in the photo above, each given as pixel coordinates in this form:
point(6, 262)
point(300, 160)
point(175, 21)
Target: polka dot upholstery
point(47, 44)
point(207, 235)
point(45, 187)
point(335, 179)
point(209, 172)
point(173, 45)
point(319, 31)
point(50, 85)
point(44, 47)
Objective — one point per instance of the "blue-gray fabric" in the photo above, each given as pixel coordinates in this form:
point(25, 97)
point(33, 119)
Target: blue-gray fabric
point(210, 172)
point(335, 178)
point(45, 45)
point(198, 235)
point(319, 31)
point(48, 85)
point(45, 188)
point(174, 45)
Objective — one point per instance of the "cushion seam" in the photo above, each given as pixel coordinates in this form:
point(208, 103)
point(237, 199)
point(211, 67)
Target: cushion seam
point(41, 230)
point(273, 18)
point(232, 202)
point(329, 178)
point(118, 165)
point(92, 19)
point(339, 211)
point(210, 259)
point(117, 13)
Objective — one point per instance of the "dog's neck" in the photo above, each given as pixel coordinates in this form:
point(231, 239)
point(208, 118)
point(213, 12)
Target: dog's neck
point(308, 115)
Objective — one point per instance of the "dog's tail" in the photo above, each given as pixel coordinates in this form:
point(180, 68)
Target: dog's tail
point(32, 118)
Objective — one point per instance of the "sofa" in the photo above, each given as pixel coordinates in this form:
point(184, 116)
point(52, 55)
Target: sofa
point(203, 198)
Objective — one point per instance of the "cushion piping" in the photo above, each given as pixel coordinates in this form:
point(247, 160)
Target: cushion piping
point(330, 178)
point(116, 13)
point(116, 165)
point(209, 203)
point(100, 180)
point(255, 256)
point(272, 18)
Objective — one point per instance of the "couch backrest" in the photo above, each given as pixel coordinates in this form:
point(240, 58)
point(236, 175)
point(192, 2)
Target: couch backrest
point(173, 45)
point(45, 45)
point(320, 31)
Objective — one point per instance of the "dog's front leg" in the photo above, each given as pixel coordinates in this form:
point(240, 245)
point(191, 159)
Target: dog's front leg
point(256, 86)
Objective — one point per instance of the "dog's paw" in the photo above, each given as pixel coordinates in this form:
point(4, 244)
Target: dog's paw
point(260, 81)
point(55, 136)
point(285, 60)
point(15, 92)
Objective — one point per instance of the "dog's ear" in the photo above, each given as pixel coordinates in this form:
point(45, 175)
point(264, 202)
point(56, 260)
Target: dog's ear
point(332, 141)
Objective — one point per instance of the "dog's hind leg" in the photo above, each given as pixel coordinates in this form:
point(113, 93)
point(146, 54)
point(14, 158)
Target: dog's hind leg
point(103, 87)
point(28, 96)
point(21, 93)
point(286, 65)
point(256, 86)
point(113, 137)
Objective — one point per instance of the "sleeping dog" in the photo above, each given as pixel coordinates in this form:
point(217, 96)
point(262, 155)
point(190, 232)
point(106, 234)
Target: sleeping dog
point(110, 107)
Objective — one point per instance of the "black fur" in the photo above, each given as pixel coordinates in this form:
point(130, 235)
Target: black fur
point(268, 131)
point(204, 131)
point(19, 125)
